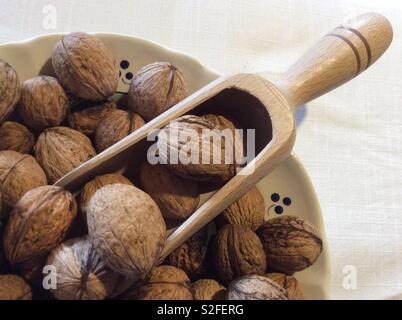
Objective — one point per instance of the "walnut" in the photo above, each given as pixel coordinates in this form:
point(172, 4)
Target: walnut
point(293, 288)
point(18, 174)
point(116, 126)
point(94, 185)
point(291, 244)
point(87, 119)
point(59, 150)
point(248, 211)
point(85, 66)
point(208, 289)
point(126, 228)
point(38, 222)
point(177, 198)
point(255, 287)
point(13, 287)
point(155, 88)
point(165, 283)
point(191, 255)
point(43, 103)
point(81, 273)
point(190, 153)
point(9, 90)
point(238, 252)
point(15, 136)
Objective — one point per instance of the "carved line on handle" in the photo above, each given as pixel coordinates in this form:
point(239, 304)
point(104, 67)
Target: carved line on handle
point(354, 49)
point(363, 39)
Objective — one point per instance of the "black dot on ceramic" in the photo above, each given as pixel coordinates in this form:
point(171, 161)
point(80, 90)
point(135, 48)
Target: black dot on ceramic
point(287, 201)
point(275, 197)
point(278, 209)
point(124, 64)
point(129, 75)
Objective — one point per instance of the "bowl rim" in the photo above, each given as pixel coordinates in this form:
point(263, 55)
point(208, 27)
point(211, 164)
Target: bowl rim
point(213, 72)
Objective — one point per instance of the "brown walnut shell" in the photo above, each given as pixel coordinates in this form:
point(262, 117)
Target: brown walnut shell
point(291, 244)
point(43, 103)
point(59, 150)
point(18, 174)
point(38, 223)
point(10, 90)
point(16, 137)
point(165, 283)
point(85, 66)
point(247, 211)
point(81, 273)
point(32, 270)
point(94, 185)
point(293, 288)
point(208, 289)
point(184, 138)
point(116, 126)
point(155, 88)
point(191, 255)
point(238, 252)
point(87, 119)
point(176, 197)
point(126, 228)
point(255, 287)
point(13, 287)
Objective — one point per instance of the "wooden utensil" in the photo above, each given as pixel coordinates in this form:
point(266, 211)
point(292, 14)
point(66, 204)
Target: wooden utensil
point(262, 105)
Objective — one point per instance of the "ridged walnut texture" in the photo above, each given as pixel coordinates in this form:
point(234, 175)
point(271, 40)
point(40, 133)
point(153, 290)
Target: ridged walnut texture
point(38, 223)
point(126, 228)
point(176, 197)
point(59, 150)
point(13, 287)
point(14, 136)
point(43, 103)
point(208, 289)
point(155, 88)
point(255, 287)
point(238, 252)
point(19, 173)
point(290, 243)
point(85, 66)
point(9, 90)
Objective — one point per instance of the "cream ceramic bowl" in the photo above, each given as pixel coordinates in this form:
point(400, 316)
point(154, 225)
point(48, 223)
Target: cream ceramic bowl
point(287, 191)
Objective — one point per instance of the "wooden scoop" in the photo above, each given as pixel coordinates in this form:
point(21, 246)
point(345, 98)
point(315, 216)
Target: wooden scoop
point(264, 106)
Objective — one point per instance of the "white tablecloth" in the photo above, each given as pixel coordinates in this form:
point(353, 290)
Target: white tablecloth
point(350, 140)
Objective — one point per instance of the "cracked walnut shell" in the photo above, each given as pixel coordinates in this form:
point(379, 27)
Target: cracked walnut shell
point(237, 252)
point(87, 119)
point(13, 287)
point(116, 126)
point(43, 103)
point(14, 136)
point(155, 88)
point(165, 283)
point(18, 174)
point(249, 210)
point(59, 150)
point(94, 185)
point(177, 198)
point(126, 228)
point(255, 287)
point(10, 90)
point(81, 273)
point(85, 66)
point(38, 223)
point(291, 244)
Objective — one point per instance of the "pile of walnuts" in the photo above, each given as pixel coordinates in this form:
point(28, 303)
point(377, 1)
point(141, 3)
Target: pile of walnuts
point(106, 242)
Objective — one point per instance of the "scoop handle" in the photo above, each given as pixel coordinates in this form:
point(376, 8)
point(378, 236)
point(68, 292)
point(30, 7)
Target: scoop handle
point(337, 58)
